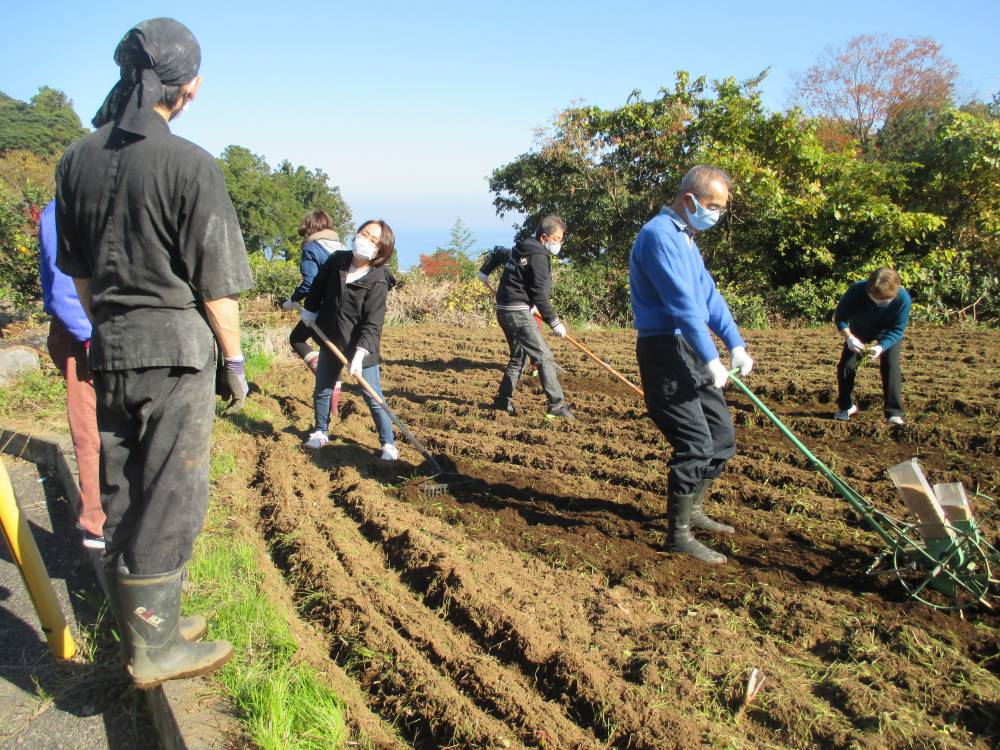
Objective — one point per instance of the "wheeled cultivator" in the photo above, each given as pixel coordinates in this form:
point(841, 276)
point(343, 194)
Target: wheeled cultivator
point(942, 560)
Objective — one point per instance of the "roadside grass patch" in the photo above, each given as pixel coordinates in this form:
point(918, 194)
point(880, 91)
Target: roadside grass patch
point(282, 703)
point(39, 395)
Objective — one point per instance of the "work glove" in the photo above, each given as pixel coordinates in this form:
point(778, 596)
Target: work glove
point(874, 352)
point(234, 384)
point(719, 373)
point(738, 358)
point(854, 344)
point(356, 362)
point(308, 316)
point(484, 278)
point(559, 330)
point(287, 305)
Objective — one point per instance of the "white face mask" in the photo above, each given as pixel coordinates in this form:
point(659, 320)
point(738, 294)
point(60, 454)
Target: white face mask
point(364, 248)
point(702, 218)
point(553, 247)
point(881, 302)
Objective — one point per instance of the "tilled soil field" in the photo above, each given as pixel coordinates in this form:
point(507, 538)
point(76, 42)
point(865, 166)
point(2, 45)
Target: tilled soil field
point(533, 604)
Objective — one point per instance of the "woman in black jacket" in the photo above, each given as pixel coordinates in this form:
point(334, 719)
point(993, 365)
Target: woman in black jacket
point(347, 302)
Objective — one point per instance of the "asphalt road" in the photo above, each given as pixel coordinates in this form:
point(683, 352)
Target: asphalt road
point(87, 704)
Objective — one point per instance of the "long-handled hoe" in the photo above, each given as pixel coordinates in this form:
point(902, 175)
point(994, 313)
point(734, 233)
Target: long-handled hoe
point(439, 482)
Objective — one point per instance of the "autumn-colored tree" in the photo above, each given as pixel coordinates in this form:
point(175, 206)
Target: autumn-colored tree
point(872, 79)
point(441, 263)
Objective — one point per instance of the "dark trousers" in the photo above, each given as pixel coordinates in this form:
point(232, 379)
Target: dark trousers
point(525, 340)
point(299, 338)
point(691, 412)
point(892, 379)
point(155, 425)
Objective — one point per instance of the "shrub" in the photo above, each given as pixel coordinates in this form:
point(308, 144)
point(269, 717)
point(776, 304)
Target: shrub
point(273, 278)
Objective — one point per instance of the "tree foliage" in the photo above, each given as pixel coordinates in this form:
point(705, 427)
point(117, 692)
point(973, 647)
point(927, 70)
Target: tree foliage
point(803, 221)
point(860, 87)
point(454, 260)
point(45, 125)
point(270, 202)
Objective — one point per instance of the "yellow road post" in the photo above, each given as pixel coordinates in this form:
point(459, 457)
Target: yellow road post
point(25, 553)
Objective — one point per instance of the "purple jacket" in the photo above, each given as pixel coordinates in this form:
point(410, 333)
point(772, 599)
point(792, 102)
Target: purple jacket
point(58, 289)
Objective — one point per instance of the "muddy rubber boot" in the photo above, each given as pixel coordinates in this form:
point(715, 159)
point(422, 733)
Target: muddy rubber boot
point(150, 605)
point(679, 537)
point(191, 628)
point(698, 518)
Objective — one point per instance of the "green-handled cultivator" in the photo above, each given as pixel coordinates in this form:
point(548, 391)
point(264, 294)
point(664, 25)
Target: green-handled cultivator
point(943, 560)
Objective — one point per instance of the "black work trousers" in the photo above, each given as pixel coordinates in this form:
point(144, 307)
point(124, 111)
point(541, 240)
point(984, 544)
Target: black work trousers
point(155, 425)
point(689, 410)
point(892, 379)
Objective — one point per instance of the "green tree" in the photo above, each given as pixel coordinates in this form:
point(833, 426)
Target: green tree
point(802, 221)
point(45, 125)
point(270, 203)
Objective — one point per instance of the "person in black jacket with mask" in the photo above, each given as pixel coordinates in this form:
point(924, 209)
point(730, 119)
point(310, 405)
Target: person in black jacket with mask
point(347, 302)
point(527, 283)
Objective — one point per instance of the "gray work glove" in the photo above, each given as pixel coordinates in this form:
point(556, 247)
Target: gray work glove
point(288, 305)
point(234, 384)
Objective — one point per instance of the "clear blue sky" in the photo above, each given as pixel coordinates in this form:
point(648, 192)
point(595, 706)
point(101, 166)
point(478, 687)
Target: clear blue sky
point(409, 106)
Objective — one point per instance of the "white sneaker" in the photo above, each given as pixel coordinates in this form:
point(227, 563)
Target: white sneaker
point(843, 416)
point(317, 440)
point(390, 452)
point(896, 420)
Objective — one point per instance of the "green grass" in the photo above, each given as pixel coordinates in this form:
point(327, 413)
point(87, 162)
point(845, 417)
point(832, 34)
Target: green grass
point(282, 703)
point(39, 394)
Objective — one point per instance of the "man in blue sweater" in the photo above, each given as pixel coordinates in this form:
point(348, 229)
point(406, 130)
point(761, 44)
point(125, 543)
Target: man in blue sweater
point(676, 304)
point(878, 310)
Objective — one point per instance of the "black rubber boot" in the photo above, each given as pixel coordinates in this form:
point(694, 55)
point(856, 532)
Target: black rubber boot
point(679, 537)
point(505, 404)
point(150, 605)
point(698, 518)
point(191, 628)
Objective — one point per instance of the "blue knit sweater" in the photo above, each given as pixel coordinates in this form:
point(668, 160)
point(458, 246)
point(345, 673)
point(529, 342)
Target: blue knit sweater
point(672, 291)
point(867, 320)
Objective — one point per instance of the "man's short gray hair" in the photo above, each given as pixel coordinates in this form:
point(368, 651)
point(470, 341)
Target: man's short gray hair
point(550, 224)
point(699, 179)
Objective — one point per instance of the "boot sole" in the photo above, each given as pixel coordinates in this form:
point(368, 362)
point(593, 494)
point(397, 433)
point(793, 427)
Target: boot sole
point(146, 684)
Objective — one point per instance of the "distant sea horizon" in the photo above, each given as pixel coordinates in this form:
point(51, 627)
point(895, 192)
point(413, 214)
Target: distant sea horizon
point(412, 243)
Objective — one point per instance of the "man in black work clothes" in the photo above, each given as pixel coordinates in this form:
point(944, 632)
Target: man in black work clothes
point(527, 283)
point(148, 232)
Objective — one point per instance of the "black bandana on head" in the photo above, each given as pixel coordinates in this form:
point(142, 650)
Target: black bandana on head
point(156, 53)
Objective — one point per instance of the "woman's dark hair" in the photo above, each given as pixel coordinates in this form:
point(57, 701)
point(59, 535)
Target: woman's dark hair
point(883, 282)
point(386, 242)
point(314, 221)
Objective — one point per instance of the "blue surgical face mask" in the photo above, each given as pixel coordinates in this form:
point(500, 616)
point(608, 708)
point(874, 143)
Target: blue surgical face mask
point(881, 302)
point(703, 218)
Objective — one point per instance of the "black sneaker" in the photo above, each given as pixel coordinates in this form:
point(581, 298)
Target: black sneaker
point(505, 404)
point(560, 410)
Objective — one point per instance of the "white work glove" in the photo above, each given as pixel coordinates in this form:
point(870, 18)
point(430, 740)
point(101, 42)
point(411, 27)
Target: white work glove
point(308, 317)
point(855, 344)
point(484, 278)
point(559, 330)
point(287, 305)
point(874, 352)
point(738, 358)
point(356, 362)
point(719, 373)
